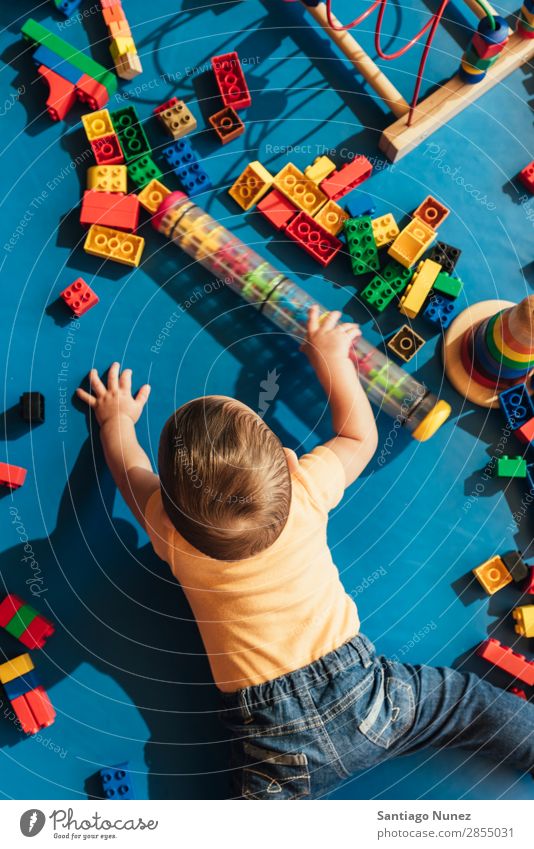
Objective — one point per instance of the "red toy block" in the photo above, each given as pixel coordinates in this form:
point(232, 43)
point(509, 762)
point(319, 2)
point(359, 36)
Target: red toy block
point(316, 241)
point(40, 706)
point(164, 106)
point(113, 13)
point(37, 633)
point(79, 297)
point(277, 209)
point(24, 715)
point(341, 182)
point(231, 80)
point(61, 93)
point(12, 476)
point(110, 210)
point(502, 656)
point(529, 584)
point(525, 433)
point(107, 150)
point(518, 692)
point(8, 608)
point(527, 177)
point(92, 92)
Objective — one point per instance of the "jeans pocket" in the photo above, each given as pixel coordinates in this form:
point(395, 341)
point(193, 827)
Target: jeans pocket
point(392, 711)
point(274, 775)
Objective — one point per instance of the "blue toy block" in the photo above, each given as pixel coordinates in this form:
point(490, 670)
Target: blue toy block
point(67, 6)
point(117, 782)
point(179, 154)
point(360, 203)
point(194, 179)
point(516, 405)
point(439, 311)
point(44, 56)
point(20, 686)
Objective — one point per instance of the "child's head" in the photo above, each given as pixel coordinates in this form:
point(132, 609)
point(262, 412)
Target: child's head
point(225, 479)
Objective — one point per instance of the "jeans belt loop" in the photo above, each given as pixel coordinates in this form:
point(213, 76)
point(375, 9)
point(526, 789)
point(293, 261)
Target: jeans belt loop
point(245, 710)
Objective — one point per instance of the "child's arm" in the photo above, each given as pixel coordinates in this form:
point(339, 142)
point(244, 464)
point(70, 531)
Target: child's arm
point(327, 347)
point(117, 412)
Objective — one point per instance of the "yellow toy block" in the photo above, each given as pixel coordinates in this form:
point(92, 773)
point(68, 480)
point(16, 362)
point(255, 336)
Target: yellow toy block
point(251, 185)
point(107, 178)
point(12, 669)
point(412, 242)
point(121, 45)
point(524, 618)
point(152, 195)
point(178, 120)
point(493, 575)
point(118, 29)
point(299, 189)
point(331, 217)
point(418, 288)
point(108, 243)
point(385, 229)
point(128, 66)
point(97, 124)
point(322, 166)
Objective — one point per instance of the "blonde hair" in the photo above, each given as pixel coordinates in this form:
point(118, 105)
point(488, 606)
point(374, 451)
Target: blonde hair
point(225, 481)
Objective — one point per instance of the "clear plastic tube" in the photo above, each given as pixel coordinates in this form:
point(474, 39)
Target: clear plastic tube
point(387, 385)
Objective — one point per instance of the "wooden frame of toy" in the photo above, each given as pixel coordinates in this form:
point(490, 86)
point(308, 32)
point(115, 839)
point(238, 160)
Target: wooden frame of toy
point(494, 52)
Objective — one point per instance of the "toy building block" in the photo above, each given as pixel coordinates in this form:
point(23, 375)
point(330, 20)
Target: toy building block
point(412, 242)
point(251, 185)
point(61, 93)
point(277, 209)
point(446, 255)
point(21, 685)
point(341, 182)
point(128, 66)
point(67, 6)
point(107, 150)
point(524, 620)
point(361, 244)
point(21, 620)
point(321, 167)
point(97, 124)
point(152, 195)
point(405, 343)
point(527, 177)
point(40, 706)
point(331, 217)
point(231, 80)
point(299, 189)
point(509, 661)
point(142, 171)
point(432, 212)
point(79, 297)
point(108, 243)
point(385, 230)
point(515, 564)
point(8, 607)
point(385, 286)
point(525, 433)
point(12, 476)
point(132, 137)
point(194, 179)
point(107, 178)
point(117, 782)
point(36, 33)
point(227, 124)
point(529, 583)
point(517, 691)
point(179, 154)
point(16, 667)
point(439, 311)
point(314, 239)
point(122, 46)
point(517, 405)
point(420, 285)
point(493, 575)
point(360, 203)
point(32, 407)
point(176, 118)
point(91, 92)
point(43, 56)
point(447, 285)
point(111, 210)
point(510, 467)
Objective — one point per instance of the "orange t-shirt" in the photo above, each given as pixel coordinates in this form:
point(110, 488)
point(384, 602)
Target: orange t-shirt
point(275, 612)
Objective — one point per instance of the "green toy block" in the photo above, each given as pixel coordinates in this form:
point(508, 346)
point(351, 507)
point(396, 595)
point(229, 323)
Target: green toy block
point(447, 285)
point(511, 467)
point(361, 244)
point(143, 171)
point(386, 285)
point(22, 618)
point(131, 135)
point(38, 34)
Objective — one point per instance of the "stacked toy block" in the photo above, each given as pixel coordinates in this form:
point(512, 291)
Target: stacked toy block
point(69, 74)
point(182, 159)
point(24, 622)
point(235, 95)
point(122, 47)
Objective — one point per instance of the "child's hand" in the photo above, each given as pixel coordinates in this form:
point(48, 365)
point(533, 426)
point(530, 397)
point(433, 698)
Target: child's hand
point(117, 399)
point(327, 341)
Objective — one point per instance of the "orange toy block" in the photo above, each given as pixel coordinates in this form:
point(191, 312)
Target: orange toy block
point(493, 575)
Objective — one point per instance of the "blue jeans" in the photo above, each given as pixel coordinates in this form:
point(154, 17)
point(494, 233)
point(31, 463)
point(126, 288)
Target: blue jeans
point(298, 736)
